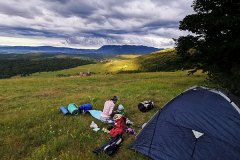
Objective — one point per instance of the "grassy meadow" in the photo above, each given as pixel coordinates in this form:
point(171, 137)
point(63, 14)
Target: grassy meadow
point(31, 126)
point(117, 64)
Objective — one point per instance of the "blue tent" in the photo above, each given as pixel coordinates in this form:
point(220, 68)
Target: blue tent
point(199, 124)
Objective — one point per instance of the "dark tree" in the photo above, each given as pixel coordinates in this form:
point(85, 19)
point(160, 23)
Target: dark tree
point(214, 45)
point(25, 67)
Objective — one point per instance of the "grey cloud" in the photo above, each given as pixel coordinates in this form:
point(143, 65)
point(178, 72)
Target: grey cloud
point(92, 41)
point(18, 9)
point(12, 31)
point(161, 24)
point(58, 1)
point(126, 39)
point(72, 8)
point(94, 22)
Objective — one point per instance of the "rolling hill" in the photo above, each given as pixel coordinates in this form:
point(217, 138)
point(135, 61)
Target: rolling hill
point(164, 60)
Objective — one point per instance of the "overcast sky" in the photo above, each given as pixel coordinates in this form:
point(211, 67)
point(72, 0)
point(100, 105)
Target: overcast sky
point(91, 23)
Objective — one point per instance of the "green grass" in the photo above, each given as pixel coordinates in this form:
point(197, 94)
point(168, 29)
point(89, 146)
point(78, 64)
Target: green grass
point(31, 126)
point(118, 64)
point(127, 56)
point(164, 60)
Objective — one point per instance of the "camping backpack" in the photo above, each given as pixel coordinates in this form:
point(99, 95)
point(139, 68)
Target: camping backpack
point(110, 147)
point(145, 106)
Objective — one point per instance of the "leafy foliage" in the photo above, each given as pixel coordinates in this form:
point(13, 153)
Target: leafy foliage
point(25, 67)
point(215, 42)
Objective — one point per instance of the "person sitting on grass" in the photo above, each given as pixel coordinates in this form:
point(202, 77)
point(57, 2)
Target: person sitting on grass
point(109, 110)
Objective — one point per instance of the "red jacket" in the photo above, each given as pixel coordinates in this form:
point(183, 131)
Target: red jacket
point(119, 128)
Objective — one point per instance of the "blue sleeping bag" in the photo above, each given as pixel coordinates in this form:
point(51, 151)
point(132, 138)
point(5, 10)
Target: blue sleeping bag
point(85, 107)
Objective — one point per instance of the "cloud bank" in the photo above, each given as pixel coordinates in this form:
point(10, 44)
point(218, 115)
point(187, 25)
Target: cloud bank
point(91, 24)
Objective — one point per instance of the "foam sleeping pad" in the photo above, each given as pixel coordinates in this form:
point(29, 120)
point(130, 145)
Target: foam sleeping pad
point(72, 108)
point(95, 113)
point(64, 110)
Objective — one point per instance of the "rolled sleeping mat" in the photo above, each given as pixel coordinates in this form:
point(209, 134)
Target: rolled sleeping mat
point(85, 107)
point(72, 108)
point(64, 110)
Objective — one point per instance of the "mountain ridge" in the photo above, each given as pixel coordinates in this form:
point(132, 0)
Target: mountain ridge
point(127, 49)
point(106, 49)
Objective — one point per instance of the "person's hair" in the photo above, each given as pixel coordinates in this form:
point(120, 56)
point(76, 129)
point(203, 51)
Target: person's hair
point(115, 98)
